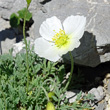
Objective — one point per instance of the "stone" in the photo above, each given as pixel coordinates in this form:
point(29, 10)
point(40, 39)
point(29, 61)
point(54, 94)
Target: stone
point(107, 97)
point(71, 95)
point(30, 32)
point(101, 106)
point(101, 91)
point(108, 105)
point(7, 36)
point(108, 86)
point(8, 7)
point(98, 92)
point(17, 48)
point(94, 48)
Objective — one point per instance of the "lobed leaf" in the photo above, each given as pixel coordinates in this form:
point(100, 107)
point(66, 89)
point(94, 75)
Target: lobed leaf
point(25, 14)
point(14, 20)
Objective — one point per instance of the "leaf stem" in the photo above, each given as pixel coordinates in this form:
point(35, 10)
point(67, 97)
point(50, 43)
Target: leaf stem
point(72, 67)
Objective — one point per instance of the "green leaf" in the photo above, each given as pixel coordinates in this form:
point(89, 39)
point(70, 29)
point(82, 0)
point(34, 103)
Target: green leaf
point(55, 98)
point(79, 95)
point(1, 105)
point(25, 14)
point(37, 68)
point(30, 108)
point(28, 2)
point(14, 20)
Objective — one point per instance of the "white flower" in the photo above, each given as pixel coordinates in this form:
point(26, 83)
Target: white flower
point(56, 39)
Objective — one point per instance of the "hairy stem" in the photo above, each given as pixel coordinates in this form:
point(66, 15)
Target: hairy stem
point(25, 41)
point(72, 67)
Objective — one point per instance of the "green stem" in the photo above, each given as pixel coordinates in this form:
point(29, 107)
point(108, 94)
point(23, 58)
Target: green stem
point(72, 67)
point(54, 84)
point(25, 41)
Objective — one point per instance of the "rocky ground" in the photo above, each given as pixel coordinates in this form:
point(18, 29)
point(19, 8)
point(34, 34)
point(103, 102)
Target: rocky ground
point(93, 61)
point(97, 79)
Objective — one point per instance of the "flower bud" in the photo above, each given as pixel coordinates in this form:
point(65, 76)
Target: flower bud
point(50, 106)
point(50, 94)
point(28, 2)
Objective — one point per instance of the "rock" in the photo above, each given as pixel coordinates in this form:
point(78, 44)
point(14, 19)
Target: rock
point(30, 32)
point(101, 91)
point(101, 106)
point(108, 86)
point(94, 48)
point(107, 97)
point(8, 7)
point(98, 92)
point(7, 36)
point(71, 95)
point(108, 105)
point(17, 48)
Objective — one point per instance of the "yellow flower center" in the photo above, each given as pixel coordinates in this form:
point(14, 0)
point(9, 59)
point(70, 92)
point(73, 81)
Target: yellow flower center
point(60, 39)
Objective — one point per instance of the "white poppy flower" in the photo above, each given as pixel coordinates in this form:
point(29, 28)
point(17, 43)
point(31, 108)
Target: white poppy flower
point(56, 39)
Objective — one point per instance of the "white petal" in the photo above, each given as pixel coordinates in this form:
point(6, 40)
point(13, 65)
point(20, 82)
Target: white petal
point(47, 28)
point(46, 49)
point(75, 25)
point(75, 43)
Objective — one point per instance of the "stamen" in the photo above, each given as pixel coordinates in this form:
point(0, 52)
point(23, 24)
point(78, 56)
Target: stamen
point(60, 39)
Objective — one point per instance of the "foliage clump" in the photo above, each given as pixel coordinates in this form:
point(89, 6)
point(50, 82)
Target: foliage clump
point(44, 76)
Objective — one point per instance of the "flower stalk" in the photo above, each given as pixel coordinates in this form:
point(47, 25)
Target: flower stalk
point(25, 41)
point(72, 68)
